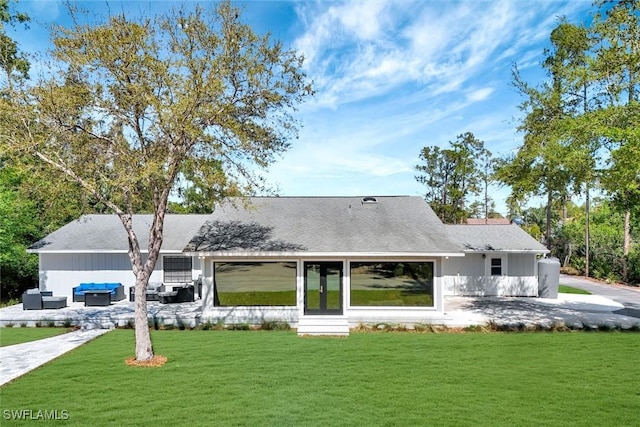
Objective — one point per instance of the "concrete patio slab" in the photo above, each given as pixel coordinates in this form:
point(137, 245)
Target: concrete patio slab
point(115, 315)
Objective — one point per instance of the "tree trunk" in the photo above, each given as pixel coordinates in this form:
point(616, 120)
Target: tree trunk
point(142, 272)
point(144, 349)
point(586, 234)
point(627, 244)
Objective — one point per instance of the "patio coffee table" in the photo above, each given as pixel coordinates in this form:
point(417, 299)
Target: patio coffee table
point(97, 298)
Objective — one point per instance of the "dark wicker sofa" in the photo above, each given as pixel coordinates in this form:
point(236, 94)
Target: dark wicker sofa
point(117, 290)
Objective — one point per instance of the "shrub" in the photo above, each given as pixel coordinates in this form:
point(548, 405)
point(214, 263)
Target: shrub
point(238, 327)
point(572, 271)
point(274, 325)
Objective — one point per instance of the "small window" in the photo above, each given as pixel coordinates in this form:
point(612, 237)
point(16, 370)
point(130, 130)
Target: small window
point(496, 266)
point(177, 269)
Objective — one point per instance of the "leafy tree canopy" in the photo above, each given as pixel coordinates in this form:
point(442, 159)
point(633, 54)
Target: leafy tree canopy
point(136, 104)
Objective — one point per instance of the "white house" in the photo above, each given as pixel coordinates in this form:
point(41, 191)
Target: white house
point(320, 263)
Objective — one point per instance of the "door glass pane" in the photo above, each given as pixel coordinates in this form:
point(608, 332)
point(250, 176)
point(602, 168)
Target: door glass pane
point(333, 288)
point(312, 287)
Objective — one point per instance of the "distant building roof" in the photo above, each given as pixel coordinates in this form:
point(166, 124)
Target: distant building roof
point(488, 221)
point(105, 233)
point(329, 225)
point(500, 238)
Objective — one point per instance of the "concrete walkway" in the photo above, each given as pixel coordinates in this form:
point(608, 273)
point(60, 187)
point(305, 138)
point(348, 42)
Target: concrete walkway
point(18, 359)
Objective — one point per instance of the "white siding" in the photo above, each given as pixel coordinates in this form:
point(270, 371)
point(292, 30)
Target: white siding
point(61, 272)
point(471, 276)
point(522, 265)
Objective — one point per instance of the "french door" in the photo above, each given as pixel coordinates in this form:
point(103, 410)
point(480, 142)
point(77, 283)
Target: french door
point(323, 288)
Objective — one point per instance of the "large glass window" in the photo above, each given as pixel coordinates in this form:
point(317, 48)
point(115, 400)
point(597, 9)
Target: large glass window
point(255, 283)
point(177, 269)
point(392, 284)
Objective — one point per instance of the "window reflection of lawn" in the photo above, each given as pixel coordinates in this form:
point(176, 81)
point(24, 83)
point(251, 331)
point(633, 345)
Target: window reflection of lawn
point(392, 284)
point(256, 283)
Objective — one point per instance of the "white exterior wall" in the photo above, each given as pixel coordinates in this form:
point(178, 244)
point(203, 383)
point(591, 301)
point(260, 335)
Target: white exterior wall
point(61, 272)
point(471, 275)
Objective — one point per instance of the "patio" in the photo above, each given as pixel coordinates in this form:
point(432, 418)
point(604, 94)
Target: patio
point(588, 311)
point(117, 314)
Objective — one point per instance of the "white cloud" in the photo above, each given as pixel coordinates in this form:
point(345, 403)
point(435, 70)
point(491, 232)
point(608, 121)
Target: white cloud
point(479, 94)
point(359, 50)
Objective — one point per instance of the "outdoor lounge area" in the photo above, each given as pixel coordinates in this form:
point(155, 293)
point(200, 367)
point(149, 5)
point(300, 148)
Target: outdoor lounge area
point(35, 299)
point(117, 314)
point(98, 293)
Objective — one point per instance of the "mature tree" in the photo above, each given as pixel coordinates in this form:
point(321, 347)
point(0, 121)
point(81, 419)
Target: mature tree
point(452, 176)
point(554, 157)
point(616, 31)
point(569, 64)
point(136, 103)
point(594, 78)
point(537, 168)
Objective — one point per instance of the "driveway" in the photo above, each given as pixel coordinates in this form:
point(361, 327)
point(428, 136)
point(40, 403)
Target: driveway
point(626, 295)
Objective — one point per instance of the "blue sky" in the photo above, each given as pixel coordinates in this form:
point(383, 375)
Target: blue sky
point(391, 77)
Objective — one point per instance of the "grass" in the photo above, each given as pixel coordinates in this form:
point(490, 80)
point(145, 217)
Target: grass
point(570, 290)
point(377, 379)
point(10, 336)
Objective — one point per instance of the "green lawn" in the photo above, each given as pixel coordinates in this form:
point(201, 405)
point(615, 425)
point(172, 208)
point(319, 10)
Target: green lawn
point(373, 379)
point(569, 290)
point(10, 336)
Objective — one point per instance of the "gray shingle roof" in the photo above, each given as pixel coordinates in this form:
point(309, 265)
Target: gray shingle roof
point(396, 224)
point(392, 225)
point(105, 233)
point(482, 238)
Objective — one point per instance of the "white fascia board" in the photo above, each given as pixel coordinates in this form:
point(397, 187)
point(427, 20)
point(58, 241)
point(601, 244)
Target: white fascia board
point(507, 251)
point(97, 251)
point(246, 254)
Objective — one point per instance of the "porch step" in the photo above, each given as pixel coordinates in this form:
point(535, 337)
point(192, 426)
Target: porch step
point(323, 325)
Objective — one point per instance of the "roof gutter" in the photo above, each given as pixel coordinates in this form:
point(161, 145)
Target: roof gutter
point(275, 254)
